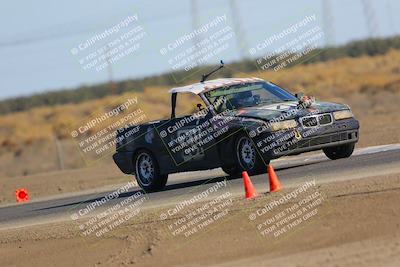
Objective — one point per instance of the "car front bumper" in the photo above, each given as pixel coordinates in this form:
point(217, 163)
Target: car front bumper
point(292, 142)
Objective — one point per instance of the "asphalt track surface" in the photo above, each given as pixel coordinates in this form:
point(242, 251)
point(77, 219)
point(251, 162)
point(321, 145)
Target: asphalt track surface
point(292, 171)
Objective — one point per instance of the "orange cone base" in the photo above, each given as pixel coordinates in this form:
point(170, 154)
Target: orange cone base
point(274, 184)
point(248, 186)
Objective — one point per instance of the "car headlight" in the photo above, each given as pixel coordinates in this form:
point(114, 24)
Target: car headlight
point(343, 114)
point(282, 125)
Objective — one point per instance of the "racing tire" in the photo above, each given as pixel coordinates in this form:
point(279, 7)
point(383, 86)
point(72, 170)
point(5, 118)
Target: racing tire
point(147, 172)
point(339, 152)
point(246, 158)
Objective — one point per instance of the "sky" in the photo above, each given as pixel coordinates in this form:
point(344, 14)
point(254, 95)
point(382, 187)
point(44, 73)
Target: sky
point(38, 37)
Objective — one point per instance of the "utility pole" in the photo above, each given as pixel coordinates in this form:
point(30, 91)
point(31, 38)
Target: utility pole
point(391, 21)
point(195, 21)
point(370, 16)
point(239, 33)
point(328, 21)
point(111, 83)
point(60, 155)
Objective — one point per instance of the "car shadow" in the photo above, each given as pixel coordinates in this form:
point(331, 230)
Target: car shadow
point(133, 192)
point(169, 187)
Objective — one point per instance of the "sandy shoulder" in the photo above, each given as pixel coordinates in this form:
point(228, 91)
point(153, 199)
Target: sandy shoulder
point(357, 225)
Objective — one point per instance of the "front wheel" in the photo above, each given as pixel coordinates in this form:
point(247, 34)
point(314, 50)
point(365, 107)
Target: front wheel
point(338, 152)
point(246, 158)
point(147, 172)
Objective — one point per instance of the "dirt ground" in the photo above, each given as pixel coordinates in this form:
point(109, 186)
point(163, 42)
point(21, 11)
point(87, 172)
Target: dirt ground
point(357, 224)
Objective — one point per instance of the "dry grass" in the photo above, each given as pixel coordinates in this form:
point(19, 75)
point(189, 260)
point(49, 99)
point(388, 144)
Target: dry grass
point(46, 123)
point(371, 85)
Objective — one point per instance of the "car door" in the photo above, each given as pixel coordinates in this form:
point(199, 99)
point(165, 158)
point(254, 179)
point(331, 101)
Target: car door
point(190, 142)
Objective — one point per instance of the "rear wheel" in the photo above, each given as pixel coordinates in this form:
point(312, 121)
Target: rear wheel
point(246, 158)
point(147, 172)
point(338, 152)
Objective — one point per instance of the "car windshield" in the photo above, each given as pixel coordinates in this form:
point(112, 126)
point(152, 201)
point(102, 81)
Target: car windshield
point(248, 95)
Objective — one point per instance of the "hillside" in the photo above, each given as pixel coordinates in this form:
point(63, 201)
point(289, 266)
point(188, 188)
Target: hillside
point(368, 47)
point(370, 84)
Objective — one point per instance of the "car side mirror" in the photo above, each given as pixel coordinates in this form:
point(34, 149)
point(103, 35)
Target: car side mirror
point(299, 95)
point(199, 106)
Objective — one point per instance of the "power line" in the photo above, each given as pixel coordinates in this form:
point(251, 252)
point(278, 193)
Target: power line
point(67, 33)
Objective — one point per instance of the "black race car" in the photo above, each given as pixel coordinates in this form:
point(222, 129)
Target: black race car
point(242, 124)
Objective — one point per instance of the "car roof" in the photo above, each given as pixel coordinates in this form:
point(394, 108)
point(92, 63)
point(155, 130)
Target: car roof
point(201, 87)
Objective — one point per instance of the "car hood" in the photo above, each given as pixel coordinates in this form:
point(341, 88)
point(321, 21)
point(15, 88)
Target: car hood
point(288, 109)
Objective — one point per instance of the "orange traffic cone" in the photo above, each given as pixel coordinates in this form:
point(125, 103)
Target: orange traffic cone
point(21, 195)
point(274, 184)
point(248, 186)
